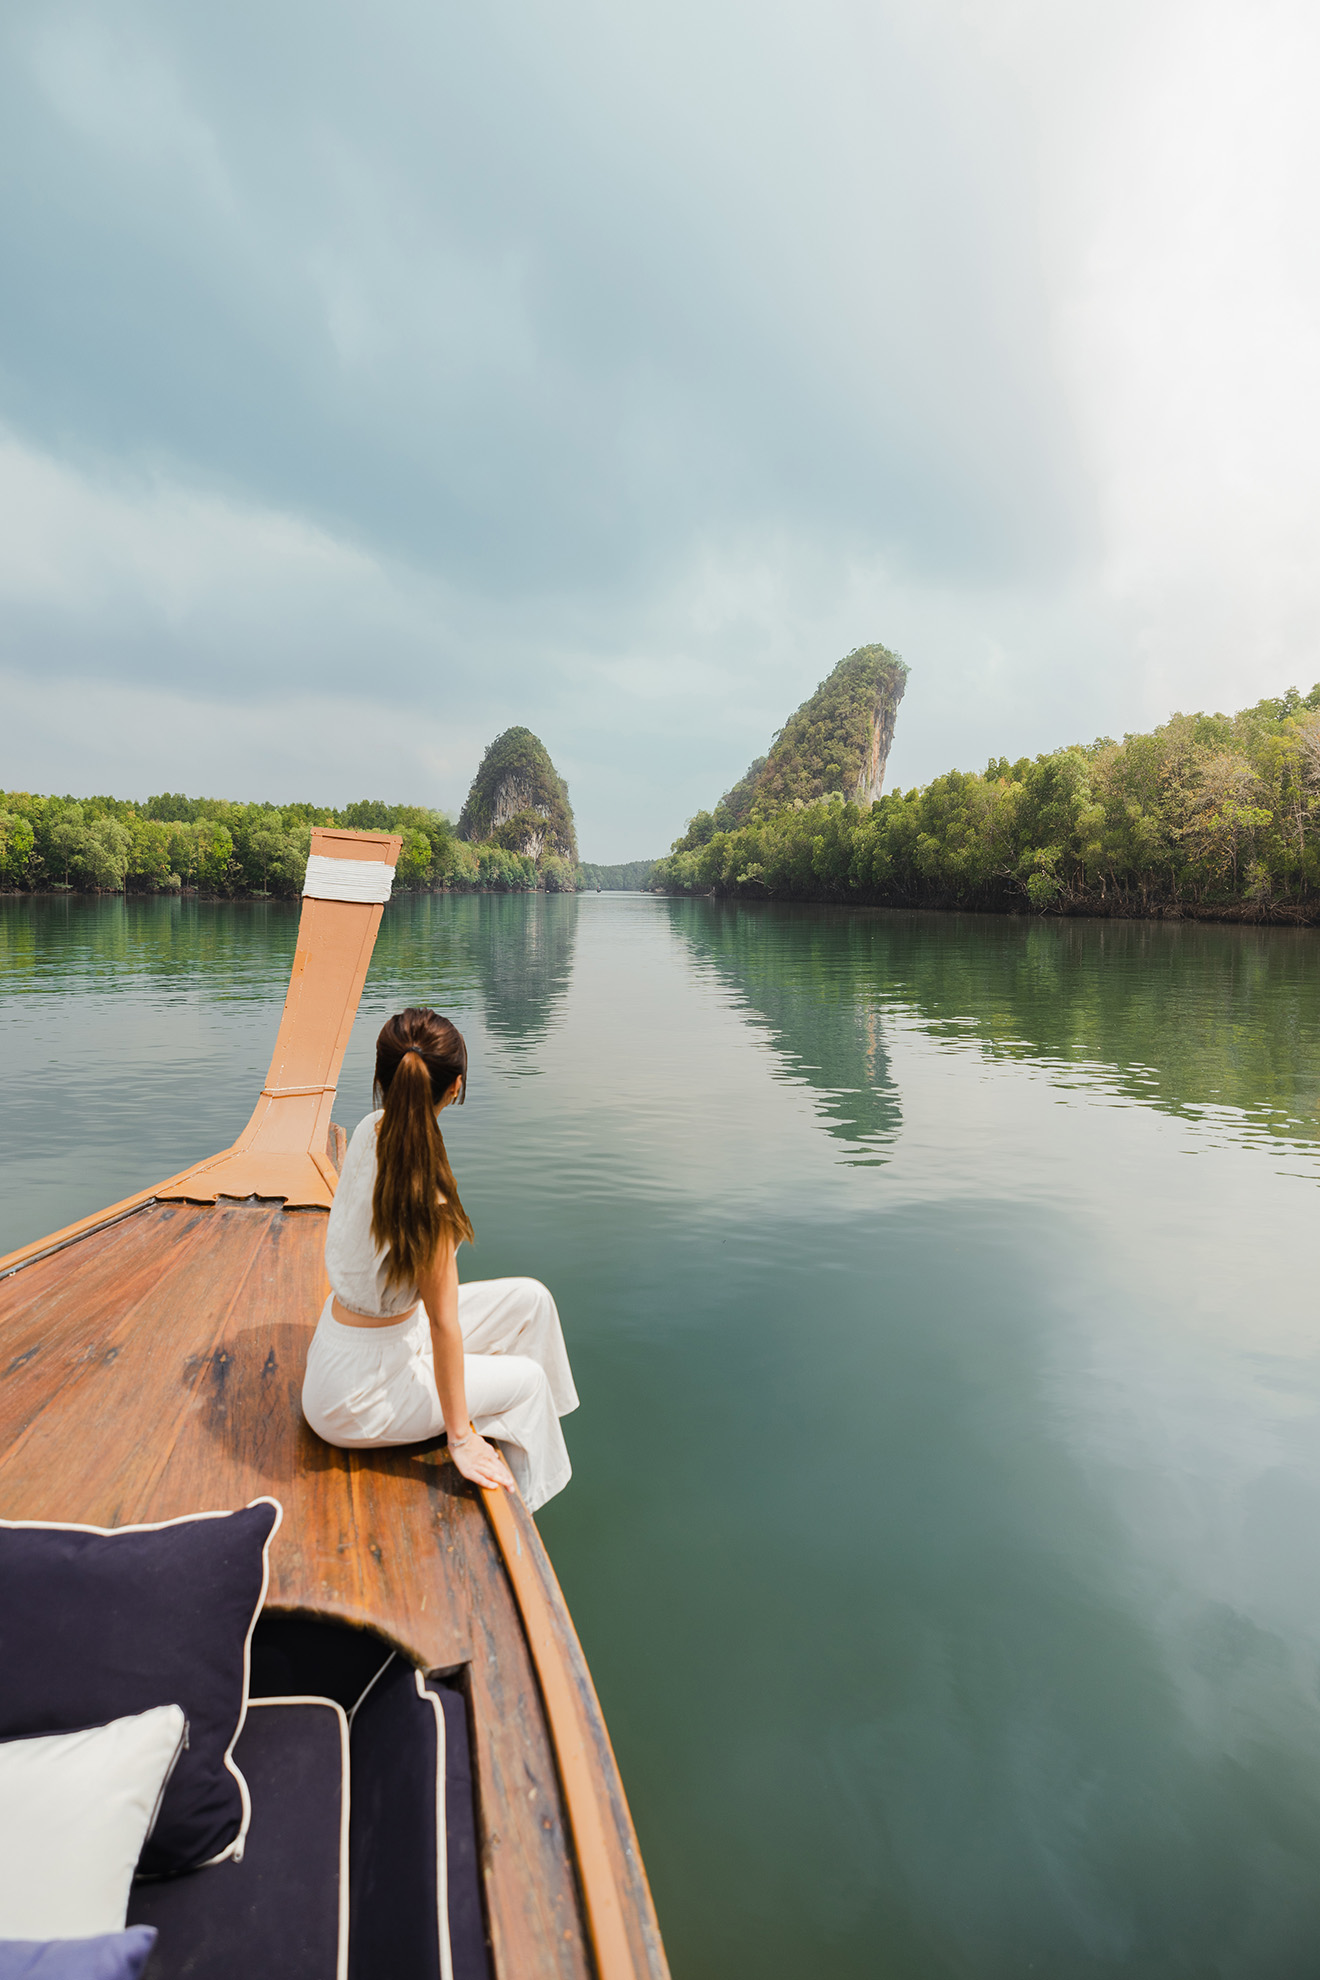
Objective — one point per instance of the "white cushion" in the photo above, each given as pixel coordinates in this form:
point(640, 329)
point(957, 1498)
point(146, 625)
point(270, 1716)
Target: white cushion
point(75, 1810)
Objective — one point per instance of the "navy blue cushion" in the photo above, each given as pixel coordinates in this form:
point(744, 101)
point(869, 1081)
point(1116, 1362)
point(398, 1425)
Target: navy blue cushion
point(467, 1924)
point(97, 1624)
point(413, 1820)
point(111, 1956)
point(281, 1913)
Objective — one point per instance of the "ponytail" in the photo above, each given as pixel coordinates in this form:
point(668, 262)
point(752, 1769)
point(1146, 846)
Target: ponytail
point(415, 1204)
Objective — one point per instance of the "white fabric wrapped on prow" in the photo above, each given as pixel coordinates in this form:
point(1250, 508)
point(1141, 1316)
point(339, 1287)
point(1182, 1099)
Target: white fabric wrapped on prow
point(368, 880)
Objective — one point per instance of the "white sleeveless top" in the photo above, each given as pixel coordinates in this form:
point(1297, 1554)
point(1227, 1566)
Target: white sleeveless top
point(354, 1263)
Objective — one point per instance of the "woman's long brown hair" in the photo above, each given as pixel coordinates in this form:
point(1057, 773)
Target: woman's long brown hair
point(415, 1203)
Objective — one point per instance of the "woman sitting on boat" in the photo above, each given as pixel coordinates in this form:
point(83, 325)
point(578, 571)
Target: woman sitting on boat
point(402, 1351)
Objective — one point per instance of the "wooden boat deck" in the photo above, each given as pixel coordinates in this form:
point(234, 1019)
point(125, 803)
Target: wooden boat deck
point(152, 1366)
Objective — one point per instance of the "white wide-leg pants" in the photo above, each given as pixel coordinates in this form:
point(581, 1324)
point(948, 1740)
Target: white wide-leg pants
point(366, 1387)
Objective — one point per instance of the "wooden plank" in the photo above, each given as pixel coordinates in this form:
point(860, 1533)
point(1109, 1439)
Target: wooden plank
point(242, 1428)
point(620, 1912)
point(66, 1315)
point(532, 1899)
point(39, 1249)
point(104, 1430)
point(60, 1289)
point(338, 842)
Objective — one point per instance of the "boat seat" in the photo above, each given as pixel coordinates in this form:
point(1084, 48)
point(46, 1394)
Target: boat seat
point(394, 1847)
point(281, 1913)
point(413, 1851)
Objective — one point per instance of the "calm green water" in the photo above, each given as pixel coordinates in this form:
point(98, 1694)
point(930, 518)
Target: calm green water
point(945, 1536)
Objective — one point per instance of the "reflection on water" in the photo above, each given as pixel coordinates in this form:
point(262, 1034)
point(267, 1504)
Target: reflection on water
point(137, 1031)
point(945, 1529)
point(1200, 1019)
point(522, 951)
point(1189, 1016)
point(820, 997)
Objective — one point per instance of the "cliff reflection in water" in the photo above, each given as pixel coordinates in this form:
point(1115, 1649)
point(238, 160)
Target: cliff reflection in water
point(523, 948)
point(510, 953)
point(1210, 1022)
point(812, 979)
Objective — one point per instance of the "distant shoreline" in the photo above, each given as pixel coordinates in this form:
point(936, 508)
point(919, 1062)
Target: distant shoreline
point(286, 899)
point(1277, 914)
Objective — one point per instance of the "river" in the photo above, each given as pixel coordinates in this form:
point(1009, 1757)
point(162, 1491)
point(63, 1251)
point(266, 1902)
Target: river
point(945, 1532)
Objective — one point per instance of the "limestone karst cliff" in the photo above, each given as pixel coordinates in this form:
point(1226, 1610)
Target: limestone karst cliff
point(838, 740)
point(519, 801)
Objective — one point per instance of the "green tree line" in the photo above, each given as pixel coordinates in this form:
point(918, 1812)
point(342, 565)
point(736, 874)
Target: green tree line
point(1209, 814)
point(631, 876)
point(106, 844)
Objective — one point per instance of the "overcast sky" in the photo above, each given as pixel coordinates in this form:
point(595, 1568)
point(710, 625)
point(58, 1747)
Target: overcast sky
point(373, 378)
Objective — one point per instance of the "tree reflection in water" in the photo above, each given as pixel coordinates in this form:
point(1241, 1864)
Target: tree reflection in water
point(812, 980)
point(1213, 1022)
point(510, 955)
point(523, 947)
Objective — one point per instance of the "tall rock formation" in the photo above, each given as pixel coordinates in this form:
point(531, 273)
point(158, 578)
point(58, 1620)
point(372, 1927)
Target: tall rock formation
point(518, 800)
point(838, 740)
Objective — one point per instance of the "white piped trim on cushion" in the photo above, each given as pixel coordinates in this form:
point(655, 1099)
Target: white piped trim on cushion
point(347, 879)
point(235, 1848)
point(441, 1829)
point(75, 1810)
point(370, 1684)
point(345, 1792)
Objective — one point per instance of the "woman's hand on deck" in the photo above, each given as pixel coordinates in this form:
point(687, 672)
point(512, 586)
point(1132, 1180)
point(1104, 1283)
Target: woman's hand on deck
point(476, 1459)
point(481, 1463)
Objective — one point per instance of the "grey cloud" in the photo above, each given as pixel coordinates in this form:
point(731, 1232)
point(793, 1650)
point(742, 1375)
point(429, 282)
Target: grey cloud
point(488, 301)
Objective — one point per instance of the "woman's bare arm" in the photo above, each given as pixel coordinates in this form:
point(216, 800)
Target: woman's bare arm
point(477, 1459)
